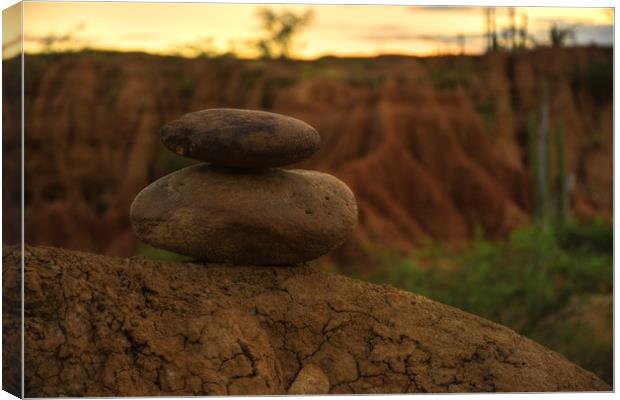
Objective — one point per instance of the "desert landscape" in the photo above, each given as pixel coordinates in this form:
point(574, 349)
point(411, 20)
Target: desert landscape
point(481, 257)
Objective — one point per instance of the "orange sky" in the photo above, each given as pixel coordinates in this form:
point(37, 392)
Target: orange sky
point(171, 28)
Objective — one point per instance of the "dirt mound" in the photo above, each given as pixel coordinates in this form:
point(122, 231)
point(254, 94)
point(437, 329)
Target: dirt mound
point(102, 326)
point(431, 147)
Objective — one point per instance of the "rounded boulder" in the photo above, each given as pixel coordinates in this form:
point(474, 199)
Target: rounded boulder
point(259, 217)
point(241, 138)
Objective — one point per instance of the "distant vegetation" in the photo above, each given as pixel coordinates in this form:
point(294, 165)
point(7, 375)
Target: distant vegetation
point(515, 36)
point(554, 286)
point(280, 30)
point(561, 36)
point(61, 43)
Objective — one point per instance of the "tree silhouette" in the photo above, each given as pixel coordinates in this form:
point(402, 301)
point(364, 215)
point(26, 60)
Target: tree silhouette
point(52, 43)
point(280, 29)
point(560, 36)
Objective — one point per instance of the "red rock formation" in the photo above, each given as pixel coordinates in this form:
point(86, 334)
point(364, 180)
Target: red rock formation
point(431, 147)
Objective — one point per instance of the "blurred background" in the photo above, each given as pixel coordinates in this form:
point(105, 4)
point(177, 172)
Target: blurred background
point(478, 141)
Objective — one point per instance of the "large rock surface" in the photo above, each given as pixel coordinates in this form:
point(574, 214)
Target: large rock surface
point(241, 138)
point(103, 326)
point(266, 217)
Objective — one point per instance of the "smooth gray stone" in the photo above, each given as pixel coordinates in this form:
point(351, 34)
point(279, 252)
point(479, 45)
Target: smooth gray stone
point(241, 138)
point(259, 217)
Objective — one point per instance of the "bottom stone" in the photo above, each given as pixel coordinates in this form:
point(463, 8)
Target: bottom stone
point(260, 217)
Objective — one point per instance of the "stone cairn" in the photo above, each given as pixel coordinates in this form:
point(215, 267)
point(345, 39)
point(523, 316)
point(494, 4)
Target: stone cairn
point(238, 207)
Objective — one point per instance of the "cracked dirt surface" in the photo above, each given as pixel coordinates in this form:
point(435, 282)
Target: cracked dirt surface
point(104, 326)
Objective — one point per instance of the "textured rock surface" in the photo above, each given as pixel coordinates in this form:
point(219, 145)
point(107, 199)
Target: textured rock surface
point(11, 324)
point(266, 217)
point(310, 380)
point(103, 326)
point(241, 138)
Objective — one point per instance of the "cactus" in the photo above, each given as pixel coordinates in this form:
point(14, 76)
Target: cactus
point(533, 162)
point(551, 196)
point(562, 179)
point(540, 166)
point(542, 152)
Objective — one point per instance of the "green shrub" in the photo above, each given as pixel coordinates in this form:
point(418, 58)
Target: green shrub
point(159, 254)
point(597, 237)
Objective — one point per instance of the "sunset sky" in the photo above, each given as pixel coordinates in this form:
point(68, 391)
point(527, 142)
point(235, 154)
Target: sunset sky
point(337, 30)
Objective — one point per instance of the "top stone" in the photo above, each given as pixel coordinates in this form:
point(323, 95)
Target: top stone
point(241, 138)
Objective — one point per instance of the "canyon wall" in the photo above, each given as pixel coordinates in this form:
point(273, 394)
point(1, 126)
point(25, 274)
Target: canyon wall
point(433, 148)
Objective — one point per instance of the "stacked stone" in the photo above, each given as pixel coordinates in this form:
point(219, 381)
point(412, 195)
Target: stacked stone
point(238, 207)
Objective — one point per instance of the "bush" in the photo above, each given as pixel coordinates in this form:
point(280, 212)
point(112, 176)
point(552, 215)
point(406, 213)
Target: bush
point(160, 254)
